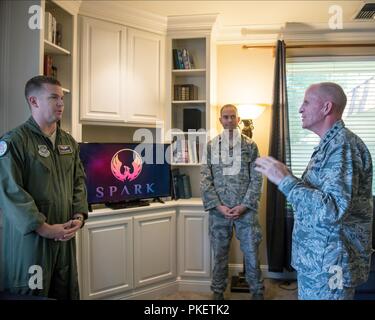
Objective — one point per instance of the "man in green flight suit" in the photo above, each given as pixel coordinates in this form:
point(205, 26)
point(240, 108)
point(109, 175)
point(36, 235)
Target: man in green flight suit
point(42, 198)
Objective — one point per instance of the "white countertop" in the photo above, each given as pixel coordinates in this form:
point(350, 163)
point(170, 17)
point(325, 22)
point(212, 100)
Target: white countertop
point(104, 211)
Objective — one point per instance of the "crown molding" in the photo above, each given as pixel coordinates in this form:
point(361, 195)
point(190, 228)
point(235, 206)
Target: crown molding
point(191, 23)
point(296, 32)
point(115, 11)
point(71, 6)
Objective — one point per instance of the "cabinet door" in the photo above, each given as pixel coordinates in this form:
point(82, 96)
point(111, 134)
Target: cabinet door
point(145, 77)
point(193, 243)
point(154, 247)
point(107, 257)
point(103, 70)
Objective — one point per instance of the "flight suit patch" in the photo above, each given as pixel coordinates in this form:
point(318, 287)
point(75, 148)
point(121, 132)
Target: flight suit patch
point(65, 149)
point(43, 151)
point(3, 148)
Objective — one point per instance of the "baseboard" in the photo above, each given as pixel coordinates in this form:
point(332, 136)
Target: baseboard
point(158, 291)
point(234, 269)
point(194, 285)
point(153, 293)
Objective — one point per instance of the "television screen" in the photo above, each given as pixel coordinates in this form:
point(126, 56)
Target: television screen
point(118, 172)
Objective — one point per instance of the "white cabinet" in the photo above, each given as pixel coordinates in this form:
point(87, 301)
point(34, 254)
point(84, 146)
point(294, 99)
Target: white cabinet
point(154, 247)
point(145, 252)
point(124, 252)
point(107, 257)
point(193, 243)
point(103, 70)
point(145, 77)
point(122, 74)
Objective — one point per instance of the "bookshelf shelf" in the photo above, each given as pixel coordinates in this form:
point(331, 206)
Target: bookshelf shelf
point(176, 133)
point(185, 164)
point(189, 72)
point(51, 48)
point(188, 101)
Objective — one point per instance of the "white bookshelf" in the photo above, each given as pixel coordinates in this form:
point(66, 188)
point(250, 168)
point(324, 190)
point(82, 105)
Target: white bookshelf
point(185, 131)
point(63, 56)
point(181, 110)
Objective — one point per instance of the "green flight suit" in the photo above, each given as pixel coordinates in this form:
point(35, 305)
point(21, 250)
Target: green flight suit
point(39, 183)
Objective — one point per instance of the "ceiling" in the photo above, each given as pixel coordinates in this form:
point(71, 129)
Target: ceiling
point(247, 13)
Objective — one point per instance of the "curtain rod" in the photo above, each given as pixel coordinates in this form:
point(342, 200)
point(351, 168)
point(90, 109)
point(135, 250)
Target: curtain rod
point(302, 46)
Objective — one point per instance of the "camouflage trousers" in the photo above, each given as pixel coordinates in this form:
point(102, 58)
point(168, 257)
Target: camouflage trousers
point(317, 288)
point(249, 234)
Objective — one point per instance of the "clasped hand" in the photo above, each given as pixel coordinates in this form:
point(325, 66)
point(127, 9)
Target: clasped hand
point(59, 232)
point(231, 213)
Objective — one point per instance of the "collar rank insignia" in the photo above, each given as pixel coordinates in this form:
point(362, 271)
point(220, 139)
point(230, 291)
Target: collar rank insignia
point(65, 149)
point(43, 151)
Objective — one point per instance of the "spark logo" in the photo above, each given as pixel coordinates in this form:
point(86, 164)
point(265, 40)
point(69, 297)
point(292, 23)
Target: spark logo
point(126, 165)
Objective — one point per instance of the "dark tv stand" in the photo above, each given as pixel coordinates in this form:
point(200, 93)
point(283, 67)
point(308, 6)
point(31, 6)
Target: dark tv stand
point(157, 199)
point(127, 204)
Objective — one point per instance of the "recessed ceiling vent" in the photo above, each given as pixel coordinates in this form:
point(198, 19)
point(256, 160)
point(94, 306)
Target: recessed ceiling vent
point(366, 13)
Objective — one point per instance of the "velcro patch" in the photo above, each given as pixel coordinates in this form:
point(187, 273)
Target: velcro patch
point(65, 149)
point(3, 148)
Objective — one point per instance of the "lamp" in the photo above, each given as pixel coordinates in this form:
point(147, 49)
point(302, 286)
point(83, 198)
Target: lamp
point(247, 113)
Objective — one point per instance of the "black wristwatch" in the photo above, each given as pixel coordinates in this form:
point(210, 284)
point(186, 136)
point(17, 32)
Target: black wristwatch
point(80, 218)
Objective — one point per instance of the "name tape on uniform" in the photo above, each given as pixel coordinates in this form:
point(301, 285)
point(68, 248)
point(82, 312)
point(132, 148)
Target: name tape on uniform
point(65, 149)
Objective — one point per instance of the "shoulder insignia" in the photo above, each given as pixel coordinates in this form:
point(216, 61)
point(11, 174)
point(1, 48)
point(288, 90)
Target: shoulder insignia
point(3, 148)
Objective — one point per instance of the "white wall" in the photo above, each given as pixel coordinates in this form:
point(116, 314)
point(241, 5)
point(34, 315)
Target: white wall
point(19, 61)
point(247, 75)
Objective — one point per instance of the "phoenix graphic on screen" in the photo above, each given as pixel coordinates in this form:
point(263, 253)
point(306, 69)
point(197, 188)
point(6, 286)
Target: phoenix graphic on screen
point(121, 170)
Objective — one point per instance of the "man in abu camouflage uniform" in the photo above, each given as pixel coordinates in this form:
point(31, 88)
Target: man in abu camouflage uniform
point(230, 190)
point(332, 201)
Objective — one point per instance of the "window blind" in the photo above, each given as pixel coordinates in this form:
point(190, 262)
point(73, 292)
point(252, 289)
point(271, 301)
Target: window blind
point(357, 78)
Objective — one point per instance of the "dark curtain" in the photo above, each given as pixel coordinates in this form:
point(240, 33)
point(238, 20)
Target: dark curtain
point(279, 215)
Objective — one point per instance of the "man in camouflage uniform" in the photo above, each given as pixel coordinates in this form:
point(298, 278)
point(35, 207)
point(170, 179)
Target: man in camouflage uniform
point(43, 199)
point(332, 202)
point(230, 190)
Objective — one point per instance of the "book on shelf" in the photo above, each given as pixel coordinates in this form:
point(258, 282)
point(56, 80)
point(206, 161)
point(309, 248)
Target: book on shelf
point(52, 29)
point(49, 69)
point(182, 59)
point(192, 119)
point(175, 191)
point(202, 152)
point(179, 152)
point(186, 151)
point(48, 26)
point(185, 58)
point(185, 92)
point(186, 186)
point(192, 151)
point(182, 186)
point(59, 34)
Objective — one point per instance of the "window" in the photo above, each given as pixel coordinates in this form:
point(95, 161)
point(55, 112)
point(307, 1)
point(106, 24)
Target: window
point(357, 78)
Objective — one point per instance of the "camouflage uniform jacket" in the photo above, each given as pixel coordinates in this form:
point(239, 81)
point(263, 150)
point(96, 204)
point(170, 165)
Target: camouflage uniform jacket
point(220, 185)
point(332, 205)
